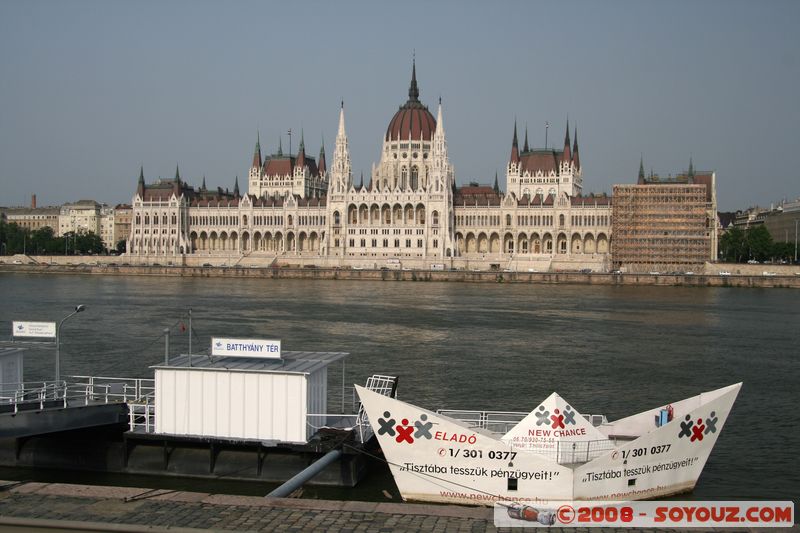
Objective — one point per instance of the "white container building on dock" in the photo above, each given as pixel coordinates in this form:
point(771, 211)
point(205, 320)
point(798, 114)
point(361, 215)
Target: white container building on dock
point(243, 398)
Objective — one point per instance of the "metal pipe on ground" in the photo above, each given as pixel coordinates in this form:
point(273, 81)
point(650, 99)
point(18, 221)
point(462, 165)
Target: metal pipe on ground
point(299, 479)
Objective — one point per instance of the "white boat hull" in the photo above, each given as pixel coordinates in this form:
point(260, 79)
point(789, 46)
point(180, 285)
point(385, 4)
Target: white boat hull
point(438, 459)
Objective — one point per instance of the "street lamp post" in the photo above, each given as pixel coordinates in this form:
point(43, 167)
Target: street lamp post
point(77, 310)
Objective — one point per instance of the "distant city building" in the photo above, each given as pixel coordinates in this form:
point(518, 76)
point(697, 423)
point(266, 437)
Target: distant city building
point(85, 216)
point(123, 214)
point(665, 224)
point(783, 221)
point(32, 218)
point(410, 208)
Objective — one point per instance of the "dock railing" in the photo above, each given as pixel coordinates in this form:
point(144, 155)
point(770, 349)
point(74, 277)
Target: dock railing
point(32, 395)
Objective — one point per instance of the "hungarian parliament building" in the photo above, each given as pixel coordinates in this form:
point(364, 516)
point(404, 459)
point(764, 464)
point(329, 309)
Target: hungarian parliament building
point(300, 210)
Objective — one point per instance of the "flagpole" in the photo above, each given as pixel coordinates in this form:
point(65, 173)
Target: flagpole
point(190, 336)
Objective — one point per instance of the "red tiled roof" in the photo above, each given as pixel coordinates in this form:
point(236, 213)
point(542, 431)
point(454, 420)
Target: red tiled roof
point(545, 160)
point(284, 165)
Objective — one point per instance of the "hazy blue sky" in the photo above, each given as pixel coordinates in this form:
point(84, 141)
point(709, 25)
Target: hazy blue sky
point(91, 90)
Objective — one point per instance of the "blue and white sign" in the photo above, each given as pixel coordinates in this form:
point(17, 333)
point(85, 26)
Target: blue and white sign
point(264, 349)
point(33, 329)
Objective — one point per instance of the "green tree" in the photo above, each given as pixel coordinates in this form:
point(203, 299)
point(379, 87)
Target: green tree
point(759, 243)
point(732, 245)
point(121, 246)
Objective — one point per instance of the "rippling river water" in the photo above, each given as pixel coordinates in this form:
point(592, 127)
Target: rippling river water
point(611, 350)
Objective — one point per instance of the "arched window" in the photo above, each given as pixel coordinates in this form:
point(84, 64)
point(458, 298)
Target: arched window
point(414, 177)
point(244, 220)
point(290, 220)
point(435, 218)
point(508, 220)
point(560, 220)
point(403, 177)
point(336, 218)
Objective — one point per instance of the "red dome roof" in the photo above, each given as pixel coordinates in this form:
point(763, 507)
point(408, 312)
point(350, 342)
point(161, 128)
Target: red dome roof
point(412, 120)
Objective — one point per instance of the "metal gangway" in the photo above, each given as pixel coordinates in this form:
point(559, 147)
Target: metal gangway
point(33, 407)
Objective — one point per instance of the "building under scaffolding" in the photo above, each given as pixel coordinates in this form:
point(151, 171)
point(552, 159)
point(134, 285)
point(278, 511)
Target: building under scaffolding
point(665, 225)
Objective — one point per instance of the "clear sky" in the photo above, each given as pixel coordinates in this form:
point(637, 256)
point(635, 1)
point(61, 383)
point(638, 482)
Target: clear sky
point(90, 90)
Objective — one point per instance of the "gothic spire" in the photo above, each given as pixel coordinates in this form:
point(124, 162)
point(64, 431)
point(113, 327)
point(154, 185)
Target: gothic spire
point(177, 174)
point(641, 169)
point(413, 90)
point(691, 169)
point(141, 174)
point(515, 146)
point(496, 184)
point(567, 150)
point(321, 163)
point(236, 187)
point(340, 166)
point(575, 155)
point(280, 147)
point(257, 152)
point(203, 186)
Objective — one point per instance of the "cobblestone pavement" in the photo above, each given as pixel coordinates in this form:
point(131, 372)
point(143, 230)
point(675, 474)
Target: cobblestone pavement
point(92, 508)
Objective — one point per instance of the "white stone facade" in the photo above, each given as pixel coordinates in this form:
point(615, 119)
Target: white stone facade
point(295, 210)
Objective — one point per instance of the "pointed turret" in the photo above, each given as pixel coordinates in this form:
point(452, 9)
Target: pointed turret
point(496, 184)
point(361, 182)
point(641, 170)
point(340, 167)
point(567, 149)
point(140, 185)
point(301, 152)
point(236, 187)
point(177, 174)
point(280, 146)
point(257, 153)
point(321, 165)
point(203, 186)
point(575, 155)
point(514, 146)
point(691, 169)
point(525, 146)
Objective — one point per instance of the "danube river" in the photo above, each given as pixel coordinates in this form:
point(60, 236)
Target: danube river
point(610, 350)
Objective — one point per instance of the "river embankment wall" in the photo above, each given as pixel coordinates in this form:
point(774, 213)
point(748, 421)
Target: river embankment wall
point(734, 275)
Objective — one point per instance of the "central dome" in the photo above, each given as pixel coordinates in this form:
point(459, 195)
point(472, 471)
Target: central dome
point(412, 120)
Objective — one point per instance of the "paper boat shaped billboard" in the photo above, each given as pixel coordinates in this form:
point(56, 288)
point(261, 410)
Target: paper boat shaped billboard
point(552, 453)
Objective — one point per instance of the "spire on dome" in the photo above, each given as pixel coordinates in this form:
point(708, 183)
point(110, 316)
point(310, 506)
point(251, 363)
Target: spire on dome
point(515, 146)
point(525, 146)
point(413, 90)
